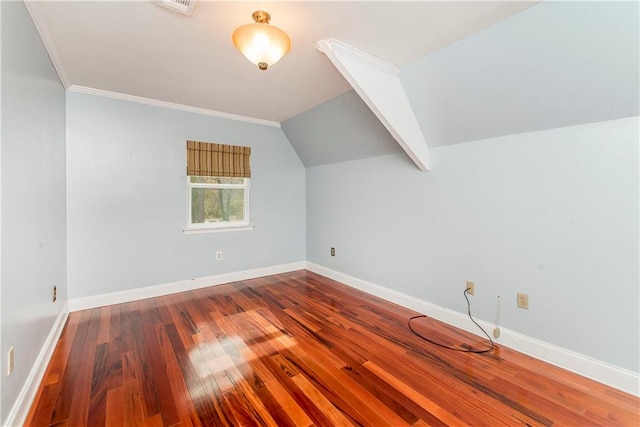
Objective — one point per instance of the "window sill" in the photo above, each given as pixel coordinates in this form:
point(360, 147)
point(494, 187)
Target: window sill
point(200, 230)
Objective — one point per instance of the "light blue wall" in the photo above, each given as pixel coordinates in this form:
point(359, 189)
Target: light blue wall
point(553, 214)
point(127, 197)
point(33, 196)
point(556, 64)
point(341, 129)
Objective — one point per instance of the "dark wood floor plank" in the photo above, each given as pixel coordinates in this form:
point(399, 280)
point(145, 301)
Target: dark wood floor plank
point(407, 409)
point(105, 325)
point(297, 415)
point(333, 415)
point(286, 380)
point(81, 396)
point(115, 407)
point(367, 409)
point(435, 409)
point(184, 326)
point(198, 393)
point(178, 387)
point(43, 405)
point(114, 356)
point(298, 349)
point(143, 360)
point(100, 375)
point(244, 378)
point(134, 407)
point(452, 390)
point(70, 377)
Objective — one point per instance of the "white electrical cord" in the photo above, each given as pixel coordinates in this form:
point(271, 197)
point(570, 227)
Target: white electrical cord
point(498, 311)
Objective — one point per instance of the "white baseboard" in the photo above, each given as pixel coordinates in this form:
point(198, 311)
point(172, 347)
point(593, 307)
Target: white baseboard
point(605, 373)
point(20, 410)
point(84, 303)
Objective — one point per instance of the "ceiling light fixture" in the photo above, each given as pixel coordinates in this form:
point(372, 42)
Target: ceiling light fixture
point(261, 43)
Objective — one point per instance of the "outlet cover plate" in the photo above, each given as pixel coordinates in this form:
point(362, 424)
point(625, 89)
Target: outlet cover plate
point(472, 288)
point(523, 301)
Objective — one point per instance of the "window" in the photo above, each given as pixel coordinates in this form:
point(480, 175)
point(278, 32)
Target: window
point(218, 202)
point(218, 186)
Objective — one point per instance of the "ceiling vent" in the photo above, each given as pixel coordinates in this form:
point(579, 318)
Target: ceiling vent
point(182, 6)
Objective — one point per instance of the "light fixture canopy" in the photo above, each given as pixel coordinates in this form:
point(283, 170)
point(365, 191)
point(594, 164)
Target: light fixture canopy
point(261, 43)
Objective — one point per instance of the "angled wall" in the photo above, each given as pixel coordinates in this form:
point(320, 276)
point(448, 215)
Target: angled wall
point(378, 83)
point(339, 130)
point(555, 64)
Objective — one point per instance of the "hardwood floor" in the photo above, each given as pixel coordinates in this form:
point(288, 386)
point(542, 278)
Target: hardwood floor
point(298, 349)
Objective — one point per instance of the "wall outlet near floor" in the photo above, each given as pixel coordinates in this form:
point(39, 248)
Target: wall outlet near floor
point(218, 255)
point(54, 296)
point(523, 301)
point(10, 361)
point(471, 288)
point(333, 251)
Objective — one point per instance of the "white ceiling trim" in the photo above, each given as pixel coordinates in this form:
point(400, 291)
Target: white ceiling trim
point(170, 105)
point(365, 58)
point(45, 34)
point(383, 93)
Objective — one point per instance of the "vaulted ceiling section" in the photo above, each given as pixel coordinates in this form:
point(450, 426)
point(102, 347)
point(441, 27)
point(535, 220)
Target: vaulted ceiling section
point(470, 70)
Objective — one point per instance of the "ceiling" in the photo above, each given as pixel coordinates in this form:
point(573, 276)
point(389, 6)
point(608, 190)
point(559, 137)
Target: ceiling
point(140, 49)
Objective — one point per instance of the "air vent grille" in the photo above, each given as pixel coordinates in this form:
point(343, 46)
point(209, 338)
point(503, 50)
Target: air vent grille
point(182, 6)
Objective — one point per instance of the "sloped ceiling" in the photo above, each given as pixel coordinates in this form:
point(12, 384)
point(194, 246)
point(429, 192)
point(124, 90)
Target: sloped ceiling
point(138, 48)
point(471, 70)
point(553, 65)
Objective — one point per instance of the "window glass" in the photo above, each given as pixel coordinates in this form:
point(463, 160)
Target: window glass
point(218, 202)
point(217, 205)
point(216, 180)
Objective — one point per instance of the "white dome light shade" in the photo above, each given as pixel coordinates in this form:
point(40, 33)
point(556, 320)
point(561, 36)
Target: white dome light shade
point(261, 43)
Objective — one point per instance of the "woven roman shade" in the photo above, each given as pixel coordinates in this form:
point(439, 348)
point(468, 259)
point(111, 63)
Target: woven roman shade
point(208, 159)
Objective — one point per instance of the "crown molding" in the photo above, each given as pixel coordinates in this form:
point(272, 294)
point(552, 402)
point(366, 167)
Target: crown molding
point(358, 55)
point(170, 105)
point(42, 26)
point(35, 10)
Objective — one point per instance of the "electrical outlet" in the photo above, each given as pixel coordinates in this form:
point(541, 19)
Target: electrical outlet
point(54, 297)
point(471, 288)
point(523, 301)
point(10, 361)
point(218, 255)
point(333, 251)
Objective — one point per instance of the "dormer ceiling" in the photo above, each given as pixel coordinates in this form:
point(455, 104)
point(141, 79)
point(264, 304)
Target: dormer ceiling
point(139, 49)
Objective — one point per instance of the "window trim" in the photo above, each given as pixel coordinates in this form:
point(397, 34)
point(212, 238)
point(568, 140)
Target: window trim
point(213, 227)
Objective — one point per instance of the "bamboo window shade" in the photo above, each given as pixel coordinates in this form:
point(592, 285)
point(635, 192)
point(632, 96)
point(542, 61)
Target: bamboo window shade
point(209, 159)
